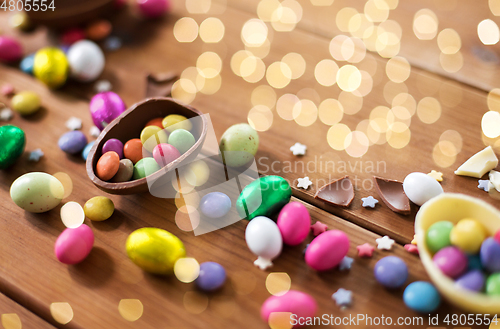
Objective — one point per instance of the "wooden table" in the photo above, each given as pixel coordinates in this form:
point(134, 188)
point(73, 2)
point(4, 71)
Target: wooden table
point(89, 294)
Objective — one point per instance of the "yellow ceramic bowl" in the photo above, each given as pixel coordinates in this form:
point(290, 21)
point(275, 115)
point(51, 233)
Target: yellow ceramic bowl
point(454, 207)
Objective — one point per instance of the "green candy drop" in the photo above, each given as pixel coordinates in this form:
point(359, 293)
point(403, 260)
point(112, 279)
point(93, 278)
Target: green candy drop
point(438, 236)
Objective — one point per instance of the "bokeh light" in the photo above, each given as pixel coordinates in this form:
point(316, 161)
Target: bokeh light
point(278, 75)
point(348, 78)
point(493, 100)
point(425, 24)
point(429, 110)
point(211, 30)
point(186, 30)
point(285, 106)
point(398, 135)
point(494, 7)
point(263, 95)
point(198, 6)
point(330, 111)
point(351, 103)
point(61, 312)
point(195, 302)
point(11, 321)
point(254, 32)
point(305, 112)
point(184, 90)
point(266, 8)
point(488, 32)
point(376, 10)
point(449, 41)
point(337, 135)
point(398, 69)
point(296, 63)
point(280, 320)
point(186, 269)
point(278, 283)
point(260, 118)
point(130, 309)
point(66, 182)
point(451, 63)
point(490, 124)
point(187, 218)
point(356, 144)
point(209, 64)
point(325, 72)
point(343, 18)
point(405, 100)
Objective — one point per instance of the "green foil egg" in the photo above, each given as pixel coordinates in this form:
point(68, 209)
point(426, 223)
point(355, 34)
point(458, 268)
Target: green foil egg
point(238, 145)
point(263, 197)
point(154, 250)
point(12, 143)
point(37, 192)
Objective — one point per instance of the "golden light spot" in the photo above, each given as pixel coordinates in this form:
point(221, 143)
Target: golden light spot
point(280, 320)
point(488, 32)
point(371, 36)
point(387, 44)
point(450, 94)
point(398, 135)
point(348, 78)
point(449, 41)
point(428, 84)
point(493, 100)
point(243, 282)
point(212, 30)
point(392, 89)
point(341, 47)
point(490, 124)
point(185, 29)
point(198, 173)
point(494, 7)
point(309, 93)
point(425, 24)
point(11, 321)
point(260, 118)
point(66, 182)
point(190, 73)
point(198, 6)
point(356, 144)
point(266, 8)
point(405, 100)
point(451, 63)
point(322, 2)
point(181, 185)
point(195, 302)
point(285, 106)
point(447, 148)
point(454, 138)
point(376, 10)
point(186, 269)
point(343, 18)
point(72, 214)
point(261, 51)
point(187, 218)
point(351, 103)
point(305, 112)
point(369, 64)
point(295, 6)
point(440, 159)
point(398, 69)
point(237, 59)
point(190, 199)
point(61, 312)
point(263, 95)
point(359, 24)
point(223, 306)
point(209, 86)
point(254, 32)
point(429, 110)
point(393, 4)
point(252, 69)
point(337, 135)
point(296, 63)
point(184, 90)
point(391, 26)
point(378, 118)
point(330, 111)
point(366, 84)
point(364, 126)
point(325, 72)
point(278, 283)
point(209, 64)
point(286, 16)
point(278, 75)
point(130, 309)
point(401, 114)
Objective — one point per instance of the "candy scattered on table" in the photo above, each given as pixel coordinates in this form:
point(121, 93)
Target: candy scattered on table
point(318, 228)
point(327, 250)
point(37, 192)
point(215, 205)
point(264, 239)
point(86, 150)
point(72, 142)
point(105, 107)
point(339, 192)
point(10, 49)
point(385, 243)
point(94, 131)
point(420, 188)
point(365, 250)
point(74, 244)
point(51, 67)
point(369, 202)
point(238, 145)
point(212, 276)
point(294, 223)
point(422, 297)
point(98, 30)
point(102, 86)
point(153, 8)
point(12, 144)
point(72, 214)
point(478, 164)
point(72, 35)
point(36, 155)
point(298, 149)
point(293, 301)
point(99, 208)
point(342, 297)
point(392, 194)
point(304, 183)
point(27, 63)
point(6, 114)
point(485, 185)
point(26, 102)
point(437, 175)
point(7, 89)
point(391, 272)
point(86, 61)
point(411, 248)
point(74, 123)
point(346, 263)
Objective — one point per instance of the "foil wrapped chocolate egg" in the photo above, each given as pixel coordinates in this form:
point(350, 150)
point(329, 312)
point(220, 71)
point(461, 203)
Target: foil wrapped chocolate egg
point(51, 66)
point(105, 107)
point(10, 49)
point(86, 61)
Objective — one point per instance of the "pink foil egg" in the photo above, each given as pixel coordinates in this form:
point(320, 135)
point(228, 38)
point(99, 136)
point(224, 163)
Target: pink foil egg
point(300, 304)
point(294, 223)
point(327, 250)
point(153, 8)
point(105, 107)
point(10, 49)
point(74, 244)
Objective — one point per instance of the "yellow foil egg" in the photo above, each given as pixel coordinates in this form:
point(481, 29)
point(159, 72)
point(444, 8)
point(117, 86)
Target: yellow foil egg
point(154, 250)
point(51, 66)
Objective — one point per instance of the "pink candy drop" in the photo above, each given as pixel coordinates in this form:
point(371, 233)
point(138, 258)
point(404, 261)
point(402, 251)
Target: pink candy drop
point(74, 244)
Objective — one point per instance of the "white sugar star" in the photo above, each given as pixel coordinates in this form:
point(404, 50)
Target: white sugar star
point(484, 184)
point(298, 149)
point(74, 123)
point(6, 114)
point(342, 297)
point(385, 243)
point(304, 183)
point(369, 202)
point(36, 155)
point(94, 131)
point(102, 86)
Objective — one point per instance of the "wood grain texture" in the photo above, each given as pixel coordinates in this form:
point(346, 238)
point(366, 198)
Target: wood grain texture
point(13, 314)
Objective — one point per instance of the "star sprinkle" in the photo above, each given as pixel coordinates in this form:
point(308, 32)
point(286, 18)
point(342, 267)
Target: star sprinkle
point(484, 184)
point(6, 114)
point(414, 241)
point(263, 263)
point(318, 228)
point(36, 155)
point(346, 263)
point(113, 43)
point(94, 131)
point(437, 175)
point(74, 123)
point(102, 86)
point(385, 243)
point(365, 250)
point(342, 297)
point(298, 149)
point(411, 248)
point(304, 183)
point(369, 202)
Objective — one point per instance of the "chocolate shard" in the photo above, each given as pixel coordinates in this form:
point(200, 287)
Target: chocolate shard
point(339, 192)
point(393, 195)
point(160, 84)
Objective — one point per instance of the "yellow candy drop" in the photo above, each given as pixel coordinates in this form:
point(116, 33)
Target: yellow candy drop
point(176, 121)
point(468, 235)
point(99, 208)
point(152, 136)
point(26, 102)
point(51, 66)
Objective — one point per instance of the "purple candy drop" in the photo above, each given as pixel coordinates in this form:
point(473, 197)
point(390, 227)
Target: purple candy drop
point(212, 276)
point(490, 255)
point(114, 145)
point(391, 272)
point(472, 280)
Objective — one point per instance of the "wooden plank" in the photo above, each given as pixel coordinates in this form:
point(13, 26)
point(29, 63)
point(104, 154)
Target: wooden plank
point(13, 315)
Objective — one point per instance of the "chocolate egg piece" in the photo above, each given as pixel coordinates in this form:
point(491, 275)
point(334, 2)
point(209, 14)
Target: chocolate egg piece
point(10, 49)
